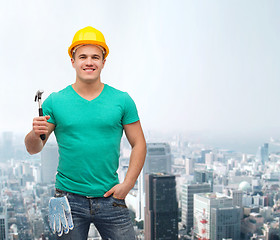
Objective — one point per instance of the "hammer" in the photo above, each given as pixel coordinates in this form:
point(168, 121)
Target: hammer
point(38, 98)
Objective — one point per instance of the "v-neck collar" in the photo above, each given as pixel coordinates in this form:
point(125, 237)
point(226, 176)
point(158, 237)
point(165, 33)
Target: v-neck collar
point(93, 100)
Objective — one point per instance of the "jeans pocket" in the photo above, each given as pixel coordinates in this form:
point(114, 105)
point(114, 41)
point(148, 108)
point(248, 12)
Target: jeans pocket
point(117, 198)
point(119, 202)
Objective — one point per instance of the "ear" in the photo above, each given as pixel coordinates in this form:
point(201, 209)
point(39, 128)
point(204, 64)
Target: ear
point(72, 61)
point(104, 60)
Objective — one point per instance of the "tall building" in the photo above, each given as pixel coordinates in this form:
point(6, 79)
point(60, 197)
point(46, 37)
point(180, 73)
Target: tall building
point(140, 213)
point(209, 158)
point(36, 172)
point(3, 224)
point(158, 158)
point(27, 169)
point(204, 176)
point(7, 148)
point(37, 226)
point(203, 203)
point(189, 166)
point(225, 223)
point(263, 154)
point(161, 211)
point(188, 191)
point(49, 161)
point(136, 201)
point(236, 197)
point(203, 153)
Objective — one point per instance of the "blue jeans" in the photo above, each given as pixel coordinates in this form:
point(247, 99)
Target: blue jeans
point(109, 215)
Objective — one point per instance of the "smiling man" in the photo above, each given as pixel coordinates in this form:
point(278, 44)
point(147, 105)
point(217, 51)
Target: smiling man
point(88, 119)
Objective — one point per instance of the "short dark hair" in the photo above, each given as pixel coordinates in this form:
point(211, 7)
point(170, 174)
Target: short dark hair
point(103, 54)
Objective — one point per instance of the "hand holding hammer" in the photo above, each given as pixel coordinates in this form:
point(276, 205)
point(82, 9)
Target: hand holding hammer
point(38, 97)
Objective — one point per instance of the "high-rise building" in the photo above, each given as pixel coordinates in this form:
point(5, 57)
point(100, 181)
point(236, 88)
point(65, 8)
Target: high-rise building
point(263, 154)
point(27, 169)
point(225, 223)
point(158, 158)
point(36, 172)
point(189, 166)
point(209, 158)
point(7, 149)
point(203, 153)
point(49, 161)
point(188, 191)
point(136, 201)
point(236, 197)
point(161, 211)
point(140, 213)
point(204, 176)
point(3, 224)
point(37, 226)
point(203, 203)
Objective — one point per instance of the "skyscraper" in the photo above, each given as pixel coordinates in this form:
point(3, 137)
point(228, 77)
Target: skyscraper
point(3, 224)
point(225, 223)
point(7, 149)
point(206, 217)
point(203, 153)
point(209, 158)
point(204, 176)
point(188, 190)
point(49, 161)
point(236, 197)
point(158, 158)
point(161, 211)
point(263, 154)
point(189, 166)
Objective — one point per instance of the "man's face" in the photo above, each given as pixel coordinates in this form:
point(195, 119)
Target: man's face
point(88, 63)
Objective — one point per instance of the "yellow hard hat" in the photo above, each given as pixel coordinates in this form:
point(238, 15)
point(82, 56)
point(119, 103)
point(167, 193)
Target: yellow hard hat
point(88, 35)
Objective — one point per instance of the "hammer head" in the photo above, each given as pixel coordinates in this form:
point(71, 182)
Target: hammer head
point(38, 95)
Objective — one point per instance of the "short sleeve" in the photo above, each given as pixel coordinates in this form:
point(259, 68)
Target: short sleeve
point(48, 109)
point(130, 111)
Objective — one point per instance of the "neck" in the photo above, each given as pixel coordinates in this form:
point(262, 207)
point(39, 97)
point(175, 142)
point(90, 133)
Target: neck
point(88, 90)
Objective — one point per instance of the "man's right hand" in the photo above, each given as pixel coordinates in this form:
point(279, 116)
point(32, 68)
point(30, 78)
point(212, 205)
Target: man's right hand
point(40, 125)
point(33, 142)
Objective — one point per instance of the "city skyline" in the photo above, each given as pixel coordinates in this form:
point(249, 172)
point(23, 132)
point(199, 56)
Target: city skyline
point(248, 182)
point(247, 144)
point(206, 67)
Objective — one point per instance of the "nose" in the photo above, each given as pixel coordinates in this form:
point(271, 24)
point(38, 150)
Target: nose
point(89, 61)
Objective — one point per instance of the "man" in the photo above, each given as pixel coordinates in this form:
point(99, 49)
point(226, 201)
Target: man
point(88, 119)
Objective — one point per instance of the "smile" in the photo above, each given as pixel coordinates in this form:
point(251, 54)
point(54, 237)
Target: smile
point(89, 69)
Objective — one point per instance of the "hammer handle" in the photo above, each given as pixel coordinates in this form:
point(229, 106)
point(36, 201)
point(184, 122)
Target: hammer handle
point(42, 136)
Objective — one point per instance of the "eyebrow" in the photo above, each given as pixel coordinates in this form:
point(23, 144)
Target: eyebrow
point(85, 55)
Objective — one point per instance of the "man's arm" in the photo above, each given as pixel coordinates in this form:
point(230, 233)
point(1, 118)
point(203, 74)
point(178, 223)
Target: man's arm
point(33, 142)
point(135, 136)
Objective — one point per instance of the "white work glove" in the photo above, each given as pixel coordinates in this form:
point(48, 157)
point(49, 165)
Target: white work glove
point(60, 217)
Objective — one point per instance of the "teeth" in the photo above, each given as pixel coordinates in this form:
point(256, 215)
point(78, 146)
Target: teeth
point(89, 70)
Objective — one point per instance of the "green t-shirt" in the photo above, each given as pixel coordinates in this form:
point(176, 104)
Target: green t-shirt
point(88, 134)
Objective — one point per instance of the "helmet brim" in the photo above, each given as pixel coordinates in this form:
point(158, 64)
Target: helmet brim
point(84, 42)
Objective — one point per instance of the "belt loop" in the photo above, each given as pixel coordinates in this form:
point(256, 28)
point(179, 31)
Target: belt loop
point(59, 193)
point(89, 197)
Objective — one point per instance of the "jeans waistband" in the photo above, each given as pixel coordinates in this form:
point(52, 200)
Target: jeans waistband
point(61, 193)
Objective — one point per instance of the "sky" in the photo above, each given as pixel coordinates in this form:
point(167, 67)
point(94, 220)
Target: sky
point(208, 67)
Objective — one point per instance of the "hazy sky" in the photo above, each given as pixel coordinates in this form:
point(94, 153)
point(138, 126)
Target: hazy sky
point(189, 65)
